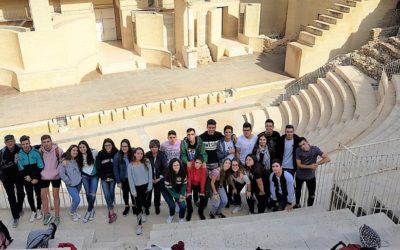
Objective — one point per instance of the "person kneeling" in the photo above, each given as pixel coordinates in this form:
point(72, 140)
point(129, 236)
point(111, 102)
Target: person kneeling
point(281, 186)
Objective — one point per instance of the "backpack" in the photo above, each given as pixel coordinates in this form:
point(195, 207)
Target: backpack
point(5, 238)
point(350, 247)
point(40, 238)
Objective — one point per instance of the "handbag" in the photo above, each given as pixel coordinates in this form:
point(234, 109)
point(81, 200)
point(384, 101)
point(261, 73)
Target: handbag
point(369, 237)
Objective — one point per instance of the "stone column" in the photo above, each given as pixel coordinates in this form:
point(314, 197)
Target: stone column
point(190, 24)
point(40, 12)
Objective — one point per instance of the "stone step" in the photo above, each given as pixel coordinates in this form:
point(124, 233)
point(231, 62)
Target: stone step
point(390, 49)
point(258, 117)
point(341, 7)
point(368, 65)
point(314, 30)
point(334, 98)
point(395, 41)
point(322, 25)
point(304, 115)
point(335, 13)
point(285, 119)
point(324, 104)
point(312, 106)
point(327, 18)
point(276, 114)
point(238, 51)
point(246, 235)
point(346, 95)
point(351, 3)
point(378, 54)
point(293, 116)
point(307, 38)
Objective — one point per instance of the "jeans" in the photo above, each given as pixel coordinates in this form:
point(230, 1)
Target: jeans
point(109, 192)
point(90, 185)
point(16, 200)
point(218, 204)
point(171, 204)
point(157, 195)
point(74, 193)
point(29, 188)
point(311, 185)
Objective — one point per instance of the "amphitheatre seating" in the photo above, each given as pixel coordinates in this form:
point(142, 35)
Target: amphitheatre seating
point(338, 108)
point(306, 228)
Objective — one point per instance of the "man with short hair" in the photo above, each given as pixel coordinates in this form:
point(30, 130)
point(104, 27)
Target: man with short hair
point(272, 137)
point(191, 147)
point(226, 146)
point(30, 164)
point(51, 155)
point(11, 178)
point(282, 187)
point(307, 164)
point(159, 163)
point(286, 150)
point(210, 140)
point(171, 147)
point(245, 143)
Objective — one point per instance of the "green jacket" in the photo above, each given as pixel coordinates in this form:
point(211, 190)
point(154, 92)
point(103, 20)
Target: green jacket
point(200, 150)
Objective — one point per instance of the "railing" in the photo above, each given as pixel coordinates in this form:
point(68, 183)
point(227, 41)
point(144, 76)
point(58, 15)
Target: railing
point(392, 68)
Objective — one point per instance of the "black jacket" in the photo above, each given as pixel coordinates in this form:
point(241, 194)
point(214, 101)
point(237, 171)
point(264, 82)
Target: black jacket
point(104, 165)
point(159, 164)
point(8, 168)
point(281, 147)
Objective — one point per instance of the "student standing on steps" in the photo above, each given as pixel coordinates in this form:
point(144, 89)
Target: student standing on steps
point(282, 187)
point(210, 140)
point(245, 143)
point(121, 162)
point(140, 176)
point(272, 137)
point(105, 171)
point(171, 147)
point(51, 155)
point(219, 198)
point(86, 161)
point(238, 179)
point(30, 164)
point(288, 143)
point(196, 183)
point(71, 175)
point(11, 178)
point(258, 176)
point(261, 152)
point(175, 182)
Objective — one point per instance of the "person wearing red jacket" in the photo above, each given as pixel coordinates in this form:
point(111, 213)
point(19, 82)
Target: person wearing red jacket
point(196, 183)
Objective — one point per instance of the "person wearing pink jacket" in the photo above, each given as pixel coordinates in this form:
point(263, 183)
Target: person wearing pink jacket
point(51, 155)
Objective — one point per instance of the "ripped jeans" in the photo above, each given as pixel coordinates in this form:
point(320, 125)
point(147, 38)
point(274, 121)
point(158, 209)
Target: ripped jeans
point(90, 184)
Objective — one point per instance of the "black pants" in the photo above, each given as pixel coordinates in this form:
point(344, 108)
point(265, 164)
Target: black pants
point(202, 204)
point(237, 200)
point(126, 192)
point(311, 185)
point(262, 201)
point(157, 195)
point(228, 190)
point(140, 201)
point(29, 189)
point(15, 193)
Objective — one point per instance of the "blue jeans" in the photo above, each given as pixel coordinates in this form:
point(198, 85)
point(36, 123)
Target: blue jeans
point(171, 204)
point(219, 204)
point(109, 192)
point(74, 193)
point(90, 185)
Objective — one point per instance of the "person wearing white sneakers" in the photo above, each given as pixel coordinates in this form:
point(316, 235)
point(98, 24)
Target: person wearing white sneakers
point(71, 175)
point(175, 181)
point(30, 164)
point(238, 179)
point(140, 176)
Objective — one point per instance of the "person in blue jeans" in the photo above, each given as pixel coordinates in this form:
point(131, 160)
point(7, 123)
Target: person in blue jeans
point(71, 175)
point(86, 162)
point(175, 182)
point(105, 171)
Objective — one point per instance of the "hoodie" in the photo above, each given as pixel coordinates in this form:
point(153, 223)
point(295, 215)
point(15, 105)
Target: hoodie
point(198, 148)
point(51, 161)
point(30, 164)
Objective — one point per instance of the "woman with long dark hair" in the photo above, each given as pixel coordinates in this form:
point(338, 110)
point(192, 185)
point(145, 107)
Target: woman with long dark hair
point(71, 175)
point(175, 181)
point(86, 161)
point(238, 179)
point(140, 176)
point(218, 178)
point(261, 152)
point(105, 171)
point(259, 184)
point(121, 162)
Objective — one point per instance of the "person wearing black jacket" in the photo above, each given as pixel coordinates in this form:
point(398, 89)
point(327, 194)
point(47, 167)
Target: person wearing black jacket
point(105, 171)
point(286, 153)
point(11, 178)
point(272, 138)
point(159, 163)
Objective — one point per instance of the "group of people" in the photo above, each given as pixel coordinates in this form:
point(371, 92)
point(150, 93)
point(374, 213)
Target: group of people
point(210, 168)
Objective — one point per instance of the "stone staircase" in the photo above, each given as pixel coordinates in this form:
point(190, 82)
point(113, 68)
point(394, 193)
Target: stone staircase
point(306, 228)
point(337, 108)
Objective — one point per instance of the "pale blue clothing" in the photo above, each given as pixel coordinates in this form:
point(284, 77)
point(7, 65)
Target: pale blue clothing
point(139, 175)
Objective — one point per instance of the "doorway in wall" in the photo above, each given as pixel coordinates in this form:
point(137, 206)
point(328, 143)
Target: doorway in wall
point(105, 24)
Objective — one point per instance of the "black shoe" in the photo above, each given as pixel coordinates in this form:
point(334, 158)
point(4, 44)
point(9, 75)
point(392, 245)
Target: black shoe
point(202, 217)
point(221, 215)
point(147, 211)
point(212, 216)
point(126, 211)
point(296, 206)
point(227, 205)
point(157, 210)
point(188, 217)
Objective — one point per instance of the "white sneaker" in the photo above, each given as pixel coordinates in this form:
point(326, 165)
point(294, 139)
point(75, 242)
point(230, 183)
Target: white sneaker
point(237, 209)
point(86, 217)
point(170, 219)
point(181, 220)
point(144, 218)
point(75, 217)
point(139, 230)
point(39, 214)
point(92, 213)
point(33, 217)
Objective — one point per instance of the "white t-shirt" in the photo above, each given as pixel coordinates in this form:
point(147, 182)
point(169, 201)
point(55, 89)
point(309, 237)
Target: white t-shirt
point(287, 161)
point(228, 146)
point(246, 146)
